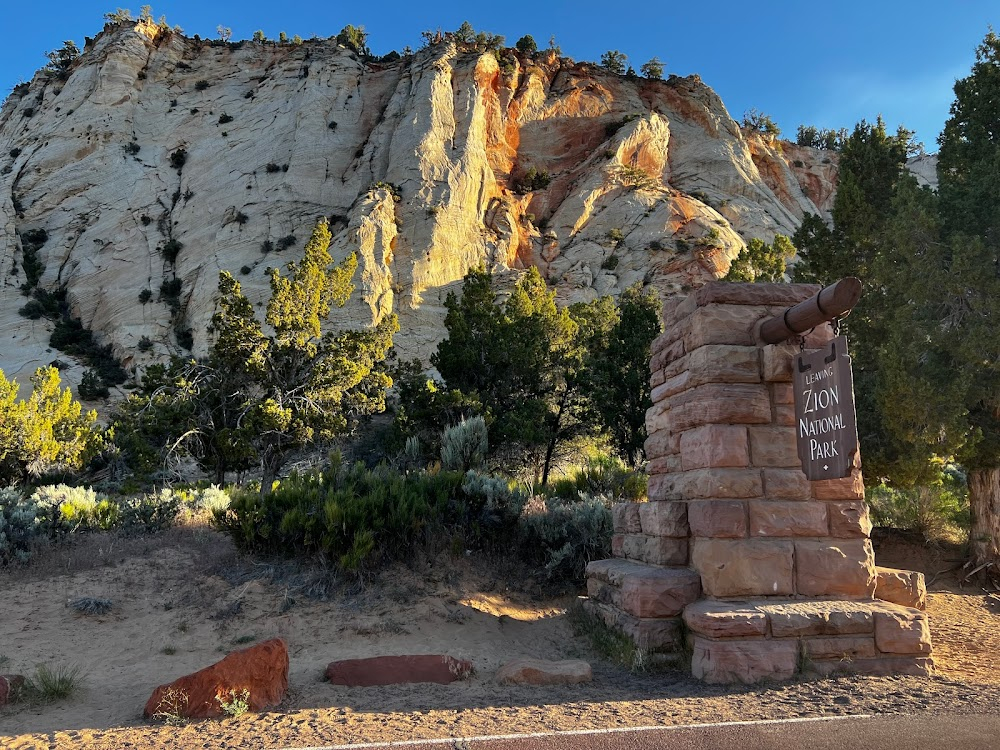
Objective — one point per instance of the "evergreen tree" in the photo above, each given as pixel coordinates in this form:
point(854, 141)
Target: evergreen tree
point(524, 361)
point(962, 292)
point(354, 38)
point(46, 431)
point(618, 377)
point(652, 69)
point(526, 45)
point(872, 167)
point(614, 62)
point(759, 261)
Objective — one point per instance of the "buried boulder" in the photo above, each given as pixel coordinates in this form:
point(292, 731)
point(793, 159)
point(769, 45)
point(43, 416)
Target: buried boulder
point(255, 676)
point(544, 672)
point(10, 688)
point(396, 670)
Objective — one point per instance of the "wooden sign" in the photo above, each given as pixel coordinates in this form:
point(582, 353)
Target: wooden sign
point(825, 422)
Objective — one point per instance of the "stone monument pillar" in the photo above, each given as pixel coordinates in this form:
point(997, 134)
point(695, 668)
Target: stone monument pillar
point(770, 573)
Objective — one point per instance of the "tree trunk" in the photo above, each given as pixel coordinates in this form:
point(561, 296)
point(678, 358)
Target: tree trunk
point(984, 505)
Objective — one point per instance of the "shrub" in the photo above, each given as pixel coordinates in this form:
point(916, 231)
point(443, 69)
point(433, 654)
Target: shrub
point(185, 337)
point(201, 85)
point(132, 148)
point(534, 179)
point(52, 684)
point(89, 605)
point(267, 247)
point(602, 475)
point(14, 153)
point(610, 263)
point(224, 118)
point(31, 242)
point(464, 446)
point(286, 242)
point(18, 526)
point(145, 344)
point(178, 158)
point(241, 218)
point(149, 514)
point(145, 296)
point(565, 537)
point(92, 387)
point(171, 249)
point(271, 168)
point(62, 510)
point(526, 45)
point(938, 511)
point(358, 517)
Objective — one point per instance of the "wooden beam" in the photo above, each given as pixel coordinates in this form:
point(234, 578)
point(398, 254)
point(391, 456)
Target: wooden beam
point(830, 303)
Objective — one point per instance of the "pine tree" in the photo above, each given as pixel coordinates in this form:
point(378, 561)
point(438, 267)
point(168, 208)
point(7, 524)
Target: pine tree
point(47, 430)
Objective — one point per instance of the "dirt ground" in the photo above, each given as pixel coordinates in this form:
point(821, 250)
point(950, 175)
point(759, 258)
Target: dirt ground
point(183, 599)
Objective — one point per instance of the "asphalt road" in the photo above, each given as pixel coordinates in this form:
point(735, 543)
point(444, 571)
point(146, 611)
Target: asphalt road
point(923, 732)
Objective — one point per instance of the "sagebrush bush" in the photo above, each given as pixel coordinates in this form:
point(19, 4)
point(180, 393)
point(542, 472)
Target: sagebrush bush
point(62, 510)
point(464, 445)
point(566, 536)
point(359, 517)
point(149, 513)
point(18, 526)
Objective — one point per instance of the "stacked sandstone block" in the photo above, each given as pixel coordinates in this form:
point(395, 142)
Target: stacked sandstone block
point(728, 498)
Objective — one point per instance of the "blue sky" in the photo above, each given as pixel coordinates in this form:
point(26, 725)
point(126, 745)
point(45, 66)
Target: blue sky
point(826, 64)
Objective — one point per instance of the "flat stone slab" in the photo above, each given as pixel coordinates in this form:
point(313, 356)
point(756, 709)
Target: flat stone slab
point(544, 672)
point(904, 587)
point(397, 670)
point(771, 640)
point(646, 591)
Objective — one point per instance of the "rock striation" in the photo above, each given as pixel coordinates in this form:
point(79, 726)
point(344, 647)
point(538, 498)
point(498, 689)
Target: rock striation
point(161, 159)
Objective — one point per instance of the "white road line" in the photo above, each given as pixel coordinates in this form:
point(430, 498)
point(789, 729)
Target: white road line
point(574, 732)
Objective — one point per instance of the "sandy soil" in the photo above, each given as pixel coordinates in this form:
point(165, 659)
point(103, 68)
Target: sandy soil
point(183, 599)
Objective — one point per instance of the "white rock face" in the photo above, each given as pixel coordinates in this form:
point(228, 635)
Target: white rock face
point(420, 164)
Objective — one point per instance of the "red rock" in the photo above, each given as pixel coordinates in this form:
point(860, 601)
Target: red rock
point(776, 362)
point(787, 518)
point(262, 670)
point(786, 484)
point(722, 324)
point(721, 403)
point(784, 295)
point(903, 587)
point(850, 647)
point(844, 567)
point(715, 446)
point(744, 567)
point(544, 672)
point(663, 518)
point(773, 446)
point(748, 662)
point(720, 363)
point(10, 686)
point(717, 519)
point(625, 518)
point(724, 620)
point(901, 630)
point(712, 483)
point(396, 670)
point(850, 519)
point(819, 617)
point(848, 488)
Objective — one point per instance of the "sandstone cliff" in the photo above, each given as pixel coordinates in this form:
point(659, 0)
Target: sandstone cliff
point(157, 145)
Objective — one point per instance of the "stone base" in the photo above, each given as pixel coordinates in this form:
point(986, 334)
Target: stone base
point(644, 602)
point(774, 640)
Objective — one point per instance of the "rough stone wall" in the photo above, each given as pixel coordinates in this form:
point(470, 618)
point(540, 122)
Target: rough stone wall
point(722, 441)
point(770, 573)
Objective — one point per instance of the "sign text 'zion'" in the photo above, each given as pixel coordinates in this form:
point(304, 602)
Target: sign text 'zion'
point(825, 422)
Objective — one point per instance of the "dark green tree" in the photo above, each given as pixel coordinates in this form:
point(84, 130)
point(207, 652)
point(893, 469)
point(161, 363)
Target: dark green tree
point(860, 243)
point(652, 69)
point(61, 59)
point(618, 369)
point(526, 45)
point(354, 38)
point(754, 119)
point(523, 360)
point(962, 289)
point(759, 261)
point(614, 62)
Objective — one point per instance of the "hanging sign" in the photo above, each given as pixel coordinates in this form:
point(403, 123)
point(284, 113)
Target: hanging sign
point(825, 422)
